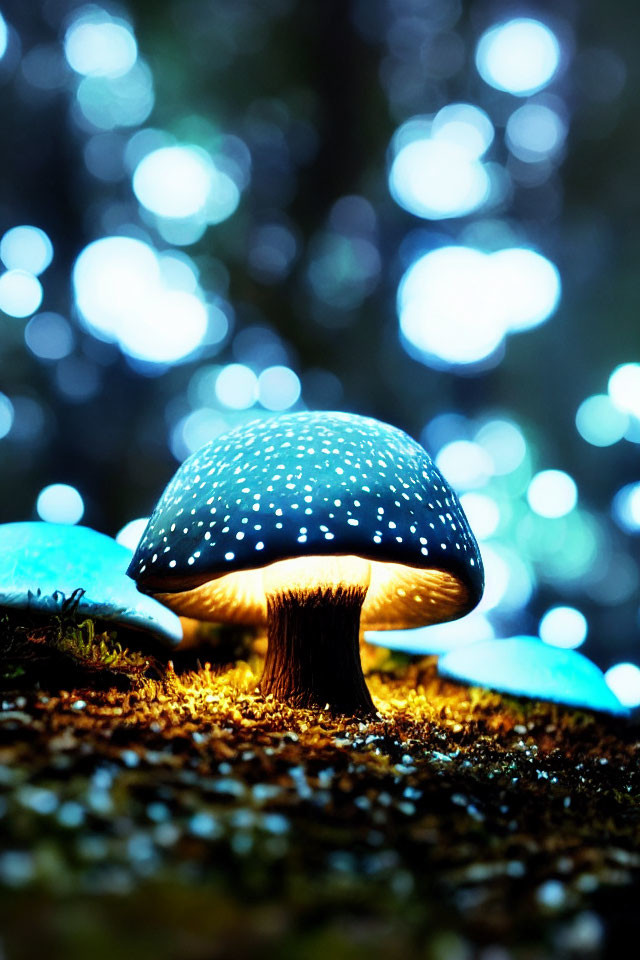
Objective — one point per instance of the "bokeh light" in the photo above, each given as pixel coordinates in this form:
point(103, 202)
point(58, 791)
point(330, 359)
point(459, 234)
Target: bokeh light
point(552, 493)
point(49, 336)
point(504, 442)
point(121, 101)
point(448, 307)
point(4, 36)
point(273, 250)
point(171, 328)
point(624, 388)
point(564, 549)
point(20, 293)
point(509, 582)
point(465, 464)
point(456, 304)
point(465, 125)
point(437, 179)
point(195, 429)
point(122, 296)
point(623, 679)
point(130, 535)
point(519, 56)
point(60, 503)
point(535, 132)
point(626, 508)
point(444, 428)
point(174, 181)
point(6, 415)
point(482, 512)
point(237, 386)
point(99, 45)
point(26, 248)
point(529, 286)
point(563, 627)
point(278, 388)
point(600, 422)
point(343, 269)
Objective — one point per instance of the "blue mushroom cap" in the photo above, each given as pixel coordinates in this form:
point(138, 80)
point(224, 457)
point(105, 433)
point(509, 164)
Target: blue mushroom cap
point(311, 485)
point(527, 667)
point(43, 564)
point(433, 640)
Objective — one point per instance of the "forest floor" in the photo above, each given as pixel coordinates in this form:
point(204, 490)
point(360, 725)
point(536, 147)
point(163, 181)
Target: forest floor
point(186, 817)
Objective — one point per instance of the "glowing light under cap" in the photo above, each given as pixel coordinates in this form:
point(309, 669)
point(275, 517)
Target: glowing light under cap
point(26, 248)
point(20, 293)
point(623, 679)
point(60, 503)
point(563, 627)
point(552, 493)
point(98, 45)
point(519, 56)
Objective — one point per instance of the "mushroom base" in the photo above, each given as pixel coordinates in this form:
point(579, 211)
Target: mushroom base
point(313, 656)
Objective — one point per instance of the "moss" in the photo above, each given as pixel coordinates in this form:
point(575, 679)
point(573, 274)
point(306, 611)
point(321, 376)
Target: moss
point(34, 644)
point(188, 816)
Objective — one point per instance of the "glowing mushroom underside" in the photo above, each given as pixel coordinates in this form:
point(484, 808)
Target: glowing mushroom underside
point(311, 523)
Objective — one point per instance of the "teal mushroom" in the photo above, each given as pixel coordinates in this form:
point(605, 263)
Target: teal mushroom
point(527, 667)
point(42, 565)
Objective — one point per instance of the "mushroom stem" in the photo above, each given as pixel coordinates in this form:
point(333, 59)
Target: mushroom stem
point(313, 657)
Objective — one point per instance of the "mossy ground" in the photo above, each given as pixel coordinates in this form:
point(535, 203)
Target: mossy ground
point(186, 817)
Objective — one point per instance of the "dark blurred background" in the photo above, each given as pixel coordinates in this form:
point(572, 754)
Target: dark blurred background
point(421, 210)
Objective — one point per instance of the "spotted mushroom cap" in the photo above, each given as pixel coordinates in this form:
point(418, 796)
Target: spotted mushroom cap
point(310, 485)
point(43, 564)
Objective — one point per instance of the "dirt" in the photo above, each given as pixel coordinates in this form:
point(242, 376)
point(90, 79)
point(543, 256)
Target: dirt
point(189, 817)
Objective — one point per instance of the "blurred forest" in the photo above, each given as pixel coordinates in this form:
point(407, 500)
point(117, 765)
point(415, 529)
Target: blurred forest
point(421, 210)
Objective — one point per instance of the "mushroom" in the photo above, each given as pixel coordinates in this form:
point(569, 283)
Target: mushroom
point(42, 565)
point(527, 667)
point(433, 640)
point(310, 523)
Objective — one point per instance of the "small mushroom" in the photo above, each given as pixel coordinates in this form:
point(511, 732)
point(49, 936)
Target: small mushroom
point(310, 523)
point(527, 667)
point(42, 565)
point(434, 640)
